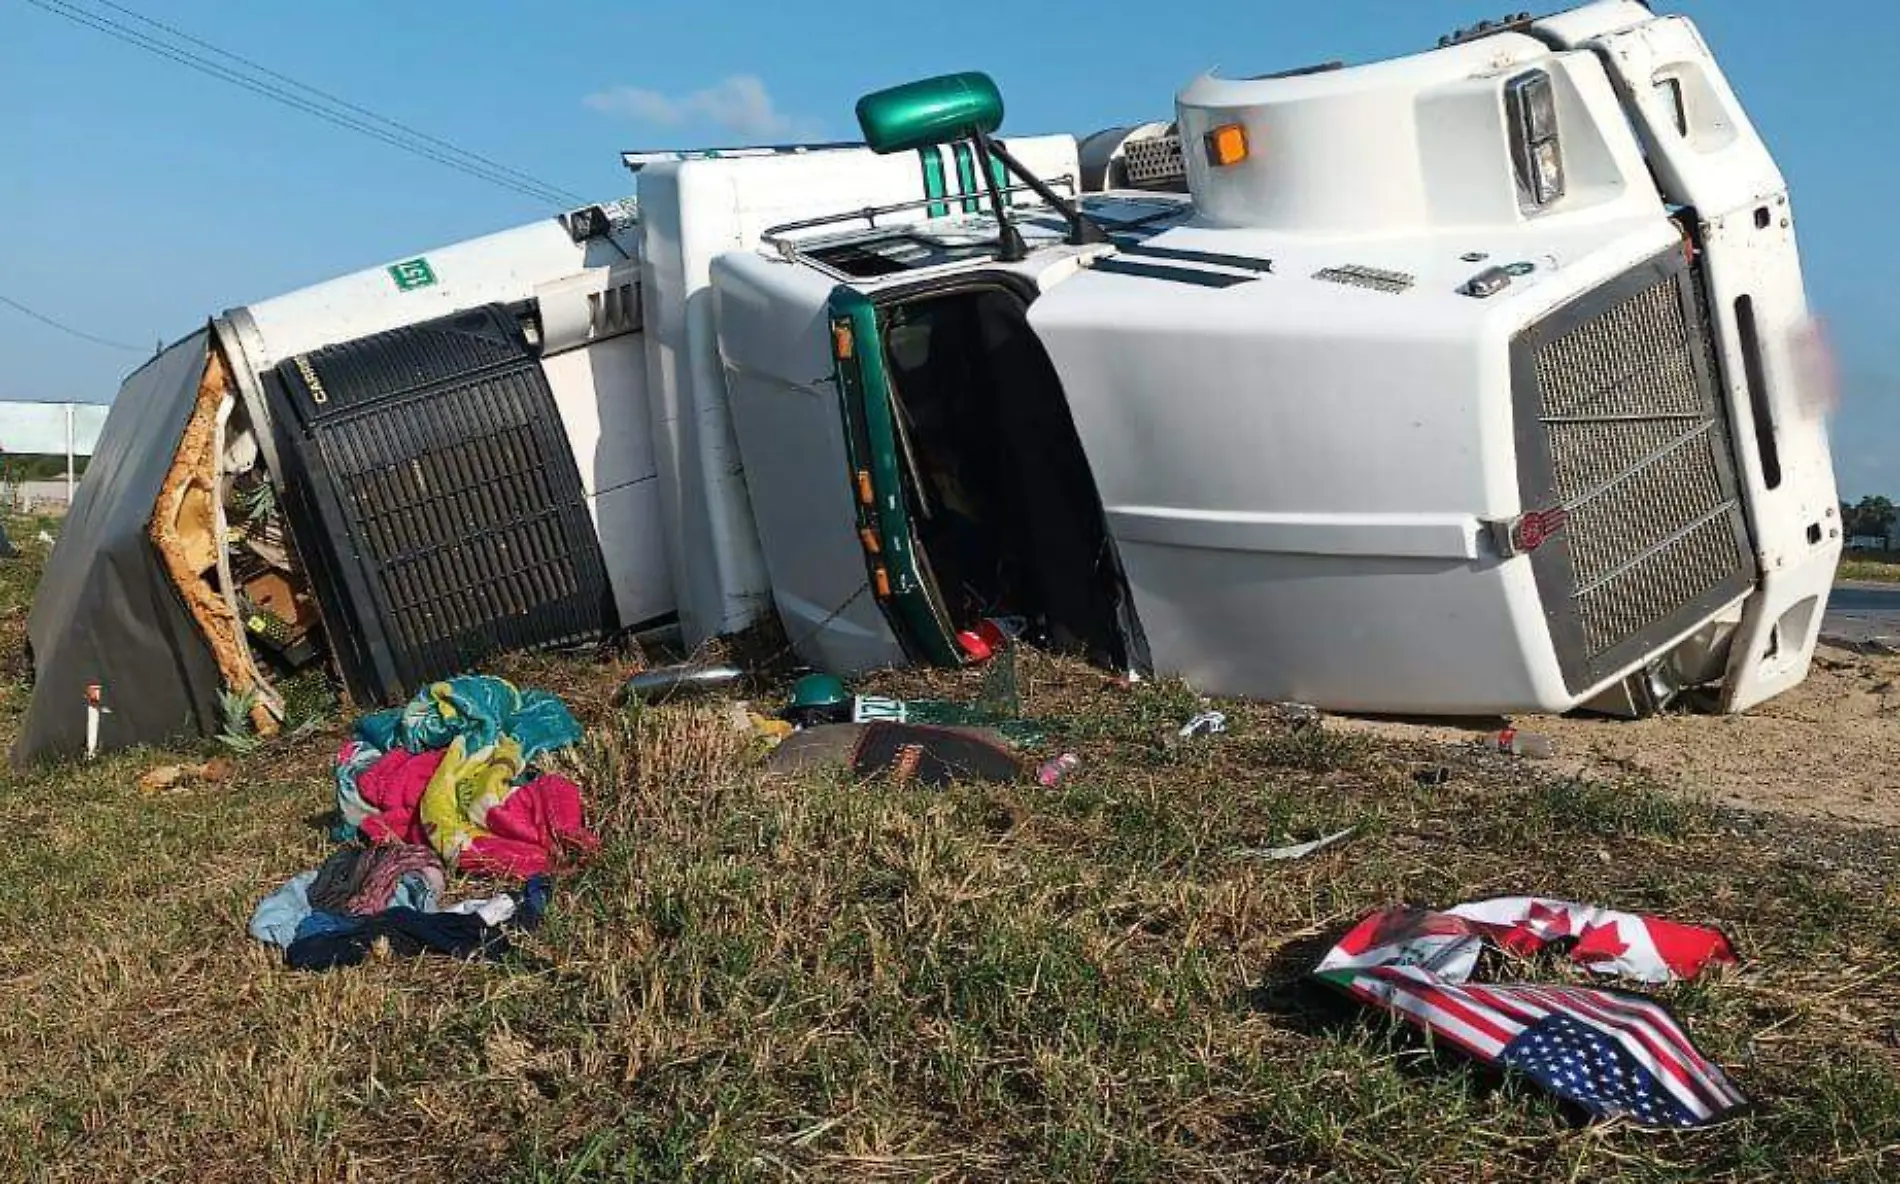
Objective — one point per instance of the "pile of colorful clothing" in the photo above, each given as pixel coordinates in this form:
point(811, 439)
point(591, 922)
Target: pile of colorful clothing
point(451, 770)
point(334, 915)
point(444, 784)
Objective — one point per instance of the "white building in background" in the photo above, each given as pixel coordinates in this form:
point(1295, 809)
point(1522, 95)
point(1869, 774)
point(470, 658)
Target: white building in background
point(70, 430)
point(36, 497)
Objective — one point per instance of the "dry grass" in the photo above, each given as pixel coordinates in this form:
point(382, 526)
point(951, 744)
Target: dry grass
point(1879, 566)
point(809, 979)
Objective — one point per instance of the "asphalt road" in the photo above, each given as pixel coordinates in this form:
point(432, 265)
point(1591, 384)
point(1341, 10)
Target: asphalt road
point(1858, 610)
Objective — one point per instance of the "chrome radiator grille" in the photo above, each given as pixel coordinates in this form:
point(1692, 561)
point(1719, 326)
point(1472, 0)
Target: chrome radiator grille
point(1626, 435)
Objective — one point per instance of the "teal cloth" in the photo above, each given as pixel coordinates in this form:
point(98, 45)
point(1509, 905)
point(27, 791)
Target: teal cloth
point(483, 708)
point(379, 729)
point(414, 891)
point(542, 724)
point(351, 809)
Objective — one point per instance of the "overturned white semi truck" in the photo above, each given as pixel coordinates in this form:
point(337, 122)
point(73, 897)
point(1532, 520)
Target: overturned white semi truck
point(1465, 382)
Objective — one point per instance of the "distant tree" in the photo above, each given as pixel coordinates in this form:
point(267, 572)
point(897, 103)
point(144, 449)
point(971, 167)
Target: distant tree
point(27, 466)
point(1877, 514)
point(1873, 516)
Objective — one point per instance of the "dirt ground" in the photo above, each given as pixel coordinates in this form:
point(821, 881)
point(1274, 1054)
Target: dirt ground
point(1829, 748)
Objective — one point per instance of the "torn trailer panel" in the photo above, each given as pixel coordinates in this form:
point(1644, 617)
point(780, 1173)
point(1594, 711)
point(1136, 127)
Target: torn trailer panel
point(191, 528)
point(431, 515)
point(107, 612)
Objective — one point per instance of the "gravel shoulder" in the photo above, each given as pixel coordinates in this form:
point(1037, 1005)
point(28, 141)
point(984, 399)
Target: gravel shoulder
point(1830, 748)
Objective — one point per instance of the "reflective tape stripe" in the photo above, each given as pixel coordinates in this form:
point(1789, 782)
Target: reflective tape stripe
point(966, 177)
point(932, 158)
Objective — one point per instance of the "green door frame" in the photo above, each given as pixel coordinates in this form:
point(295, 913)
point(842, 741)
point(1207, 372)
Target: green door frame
point(912, 604)
point(870, 440)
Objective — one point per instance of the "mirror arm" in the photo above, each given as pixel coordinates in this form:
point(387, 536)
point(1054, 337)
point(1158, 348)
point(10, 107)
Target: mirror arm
point(1082, 229)
point(1014, 249)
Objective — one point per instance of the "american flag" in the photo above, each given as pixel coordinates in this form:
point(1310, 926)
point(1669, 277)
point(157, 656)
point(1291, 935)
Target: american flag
point(1609, 1052)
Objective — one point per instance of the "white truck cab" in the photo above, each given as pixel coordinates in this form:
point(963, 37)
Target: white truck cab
point(1464, 383)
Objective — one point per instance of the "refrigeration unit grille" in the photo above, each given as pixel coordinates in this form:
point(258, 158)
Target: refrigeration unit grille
point(1620, 427)
point(440, 499)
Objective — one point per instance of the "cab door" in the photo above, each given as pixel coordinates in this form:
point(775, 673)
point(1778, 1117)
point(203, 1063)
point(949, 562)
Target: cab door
point(776, 344)
point(874, 449)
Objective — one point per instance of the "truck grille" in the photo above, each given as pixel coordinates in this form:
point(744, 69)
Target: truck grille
point(1630, 440)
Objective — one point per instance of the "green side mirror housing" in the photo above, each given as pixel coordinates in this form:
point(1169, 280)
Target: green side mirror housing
point(930, 111)
point(819, 690)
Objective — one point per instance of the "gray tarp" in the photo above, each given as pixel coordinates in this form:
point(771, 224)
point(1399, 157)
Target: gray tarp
point(106, 611)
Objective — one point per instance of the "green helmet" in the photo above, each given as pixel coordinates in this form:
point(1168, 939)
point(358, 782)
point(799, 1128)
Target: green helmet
point(818, 690)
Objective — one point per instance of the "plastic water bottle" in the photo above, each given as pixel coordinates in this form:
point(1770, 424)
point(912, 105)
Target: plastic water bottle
point(1531, 745)
point(1053, 771)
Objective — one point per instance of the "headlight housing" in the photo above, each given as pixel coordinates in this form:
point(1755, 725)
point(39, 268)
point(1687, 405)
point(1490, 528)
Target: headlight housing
point(1530, 102)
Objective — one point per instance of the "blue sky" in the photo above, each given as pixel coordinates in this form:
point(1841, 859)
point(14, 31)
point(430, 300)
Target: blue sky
point(137, 198)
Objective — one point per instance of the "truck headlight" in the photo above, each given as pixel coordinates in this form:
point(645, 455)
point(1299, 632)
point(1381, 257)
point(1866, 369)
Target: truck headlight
point(1530, 102)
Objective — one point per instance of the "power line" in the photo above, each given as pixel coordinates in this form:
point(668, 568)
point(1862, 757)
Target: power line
point(224, 73)
point(344, 103)
point(43, 319)
point(450, 157)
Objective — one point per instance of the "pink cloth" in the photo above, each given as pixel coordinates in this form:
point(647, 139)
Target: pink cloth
point(393, 786)
point(539, 828)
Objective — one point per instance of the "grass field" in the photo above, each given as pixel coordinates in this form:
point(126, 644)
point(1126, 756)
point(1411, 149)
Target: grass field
point(1871, 565)
point(818, 980)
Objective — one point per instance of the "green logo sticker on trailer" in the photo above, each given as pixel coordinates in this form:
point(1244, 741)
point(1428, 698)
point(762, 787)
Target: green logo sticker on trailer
point(412, 274)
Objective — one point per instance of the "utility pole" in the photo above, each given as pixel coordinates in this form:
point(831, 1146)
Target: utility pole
point(70, 480)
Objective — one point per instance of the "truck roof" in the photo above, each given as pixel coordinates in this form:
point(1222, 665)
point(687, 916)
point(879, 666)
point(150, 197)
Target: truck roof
point(965, 241)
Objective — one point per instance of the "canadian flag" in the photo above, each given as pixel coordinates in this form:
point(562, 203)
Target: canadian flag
point(1628, 945)
point(1608, 942)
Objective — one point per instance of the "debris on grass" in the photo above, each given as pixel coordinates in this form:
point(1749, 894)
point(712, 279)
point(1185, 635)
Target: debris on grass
point(454, 769)
point(821, 699)
point(442, 784)
point(1050, 773)
point(1297, 715)
point(166, 778)
point(1297, 850)
point(910, 754)
point(1531, 745)
point(768, 730)
point(1611, 1053)
point(1206, 723)
point(684, 680)
point(824, 748)
point(791, 977)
